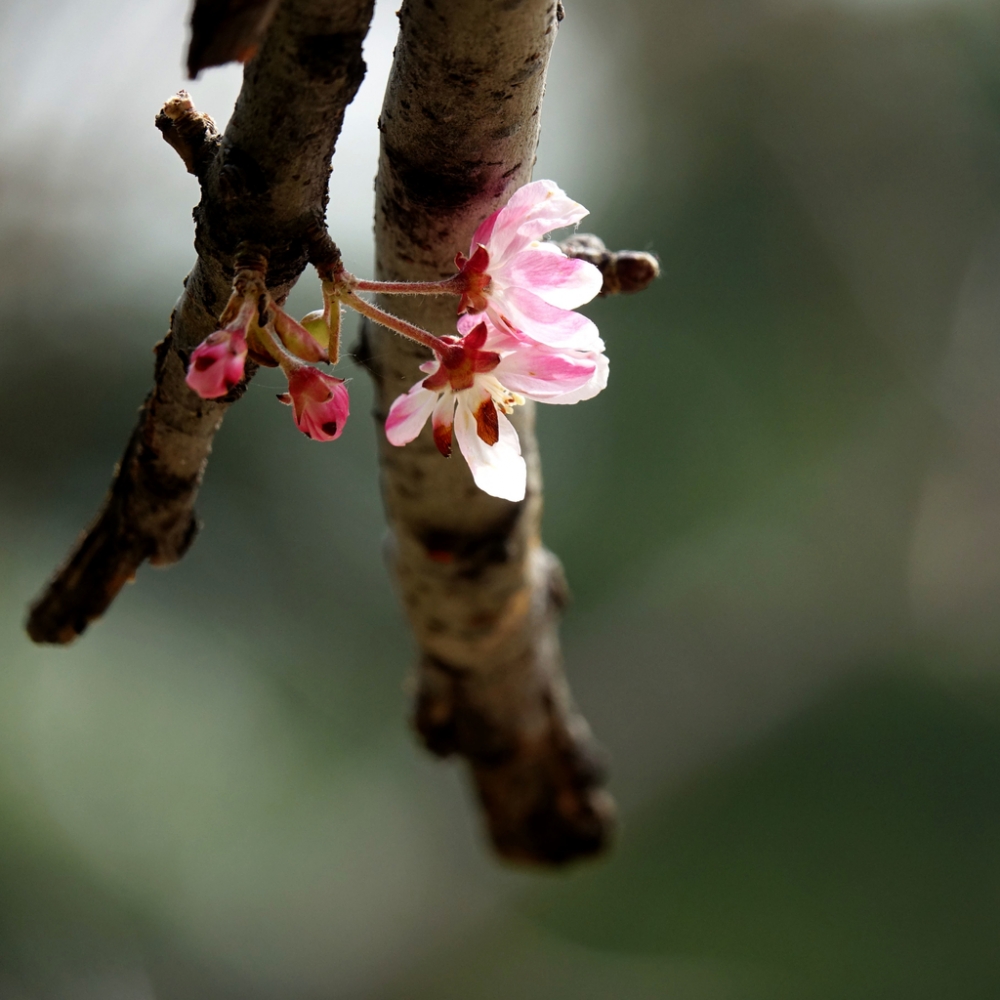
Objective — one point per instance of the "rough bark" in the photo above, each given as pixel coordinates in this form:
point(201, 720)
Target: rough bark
point(459, 130)
point(264, 188)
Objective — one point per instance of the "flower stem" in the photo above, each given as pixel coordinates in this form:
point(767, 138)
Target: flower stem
point(394, 323)
point(450, 286)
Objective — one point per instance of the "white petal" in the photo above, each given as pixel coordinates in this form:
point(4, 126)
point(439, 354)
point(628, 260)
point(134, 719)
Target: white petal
point(497, 469)
point(408, 414)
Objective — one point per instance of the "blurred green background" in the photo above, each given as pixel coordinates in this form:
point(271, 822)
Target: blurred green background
point(781, 524)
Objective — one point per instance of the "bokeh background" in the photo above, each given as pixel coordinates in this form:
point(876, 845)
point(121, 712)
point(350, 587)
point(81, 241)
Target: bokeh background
point(781, 524)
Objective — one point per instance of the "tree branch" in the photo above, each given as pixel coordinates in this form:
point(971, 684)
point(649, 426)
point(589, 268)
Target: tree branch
point(459, 130)
point(264, 187)
point(624, 271)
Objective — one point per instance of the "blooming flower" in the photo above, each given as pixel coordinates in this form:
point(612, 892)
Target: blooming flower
point(526, 285)
point(320, 403)
point(475, 382)
point(217, 362)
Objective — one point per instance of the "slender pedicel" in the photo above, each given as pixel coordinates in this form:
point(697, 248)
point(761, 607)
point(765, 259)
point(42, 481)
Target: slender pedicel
point(394, 323)
point(450, 286)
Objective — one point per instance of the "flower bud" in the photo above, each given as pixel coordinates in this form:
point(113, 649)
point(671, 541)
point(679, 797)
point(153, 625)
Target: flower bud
point(297, 338)
point(217, 363)
point(315, 324)
point(320, 403)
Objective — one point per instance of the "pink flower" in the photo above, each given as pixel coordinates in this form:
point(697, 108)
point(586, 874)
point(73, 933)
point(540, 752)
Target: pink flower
point(526, 285)
point(320, 403)
point(473, 385)
point(217, 362)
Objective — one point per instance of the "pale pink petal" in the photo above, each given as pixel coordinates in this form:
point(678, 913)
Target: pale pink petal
point(546, 376)
point(467, 322)
point(544, 269)
point(499, 340)
point(497, 469)
point(547, 324)
point(533, 210)
point(484, 231)
point(408, 414)
point(549, 207)
point(595, 384)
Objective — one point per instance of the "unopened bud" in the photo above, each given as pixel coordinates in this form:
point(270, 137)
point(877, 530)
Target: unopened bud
point(316, 325)
point(297, 338)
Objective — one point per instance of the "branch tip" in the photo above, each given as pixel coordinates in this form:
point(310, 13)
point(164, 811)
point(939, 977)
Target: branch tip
point(191, 133)
point(624, 271)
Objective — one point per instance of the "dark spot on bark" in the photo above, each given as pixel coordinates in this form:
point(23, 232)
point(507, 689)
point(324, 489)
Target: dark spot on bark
point(560, 11)
point(436, 187)
point(327, 58)
point(450, 721)
point(240, 174)
point(505, 131)
point(534, 64)
point(472, 553)
point(485, 620)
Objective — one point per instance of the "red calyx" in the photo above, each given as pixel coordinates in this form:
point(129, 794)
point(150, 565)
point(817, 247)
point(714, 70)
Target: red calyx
point(476, 280)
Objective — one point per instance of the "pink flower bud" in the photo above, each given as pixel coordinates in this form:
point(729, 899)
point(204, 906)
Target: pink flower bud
point(320, 402)
point(217, 363)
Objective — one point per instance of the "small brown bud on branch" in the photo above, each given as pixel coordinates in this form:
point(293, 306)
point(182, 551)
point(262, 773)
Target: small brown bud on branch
point(624, 271)
point(192, 133)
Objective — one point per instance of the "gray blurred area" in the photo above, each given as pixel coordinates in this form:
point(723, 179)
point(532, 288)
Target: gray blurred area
point(781, 524)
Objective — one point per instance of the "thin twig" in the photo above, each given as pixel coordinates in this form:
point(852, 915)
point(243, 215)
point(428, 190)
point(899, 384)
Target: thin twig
point(624, 271)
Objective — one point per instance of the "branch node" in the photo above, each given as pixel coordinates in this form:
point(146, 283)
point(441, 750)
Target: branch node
point(250, 263)
point(624, 271)
point(191, 133)
point(324, 254)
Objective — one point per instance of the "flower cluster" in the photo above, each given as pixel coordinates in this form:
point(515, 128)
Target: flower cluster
point(258, 327)
point(518, 337)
